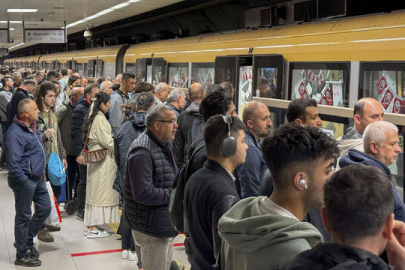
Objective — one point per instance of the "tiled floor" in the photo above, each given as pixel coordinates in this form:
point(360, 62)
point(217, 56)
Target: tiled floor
point(70, 240)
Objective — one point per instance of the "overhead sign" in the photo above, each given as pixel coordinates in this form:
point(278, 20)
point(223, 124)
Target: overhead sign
point(44, 36)
point(4, 35)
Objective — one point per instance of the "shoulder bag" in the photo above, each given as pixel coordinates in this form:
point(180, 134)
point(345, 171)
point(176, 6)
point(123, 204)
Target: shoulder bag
point(94, 156)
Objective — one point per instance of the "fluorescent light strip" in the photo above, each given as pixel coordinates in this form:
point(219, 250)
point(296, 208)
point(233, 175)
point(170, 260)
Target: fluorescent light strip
point(15, 46)
point(11, 21)
point(103, 12)
point(22, 10)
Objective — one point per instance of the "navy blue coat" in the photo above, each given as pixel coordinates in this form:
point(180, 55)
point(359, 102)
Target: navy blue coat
point(13, 104)
point(76, 126)
point(357, 157)
point(25, 153)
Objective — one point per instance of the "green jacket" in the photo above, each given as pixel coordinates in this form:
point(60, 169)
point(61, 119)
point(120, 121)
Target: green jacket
point(252, 241)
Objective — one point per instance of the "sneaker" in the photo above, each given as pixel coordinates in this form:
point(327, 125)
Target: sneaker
point(44, 236)
point(132, 256)
point(52, 228)
point(80, 215)
point(34, 252)
point(28, 260)
point(96, 233)
point(86, 231)
point(124, 254)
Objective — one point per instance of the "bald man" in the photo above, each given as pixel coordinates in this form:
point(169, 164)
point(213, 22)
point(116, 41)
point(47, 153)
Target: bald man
point(25, 147)
point(256, 117)
point(365, 112)
point(106, 87)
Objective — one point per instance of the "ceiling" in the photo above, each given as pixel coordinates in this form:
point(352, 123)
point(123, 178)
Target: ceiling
point(53, 13)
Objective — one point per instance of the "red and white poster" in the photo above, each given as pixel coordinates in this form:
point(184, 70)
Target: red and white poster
point(381, 85)
point(327, 98)
point(386, 100)
point(396, 108)
point(302, 91)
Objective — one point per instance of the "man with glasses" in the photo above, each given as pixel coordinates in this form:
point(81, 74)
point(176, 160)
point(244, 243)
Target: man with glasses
point(147, 190)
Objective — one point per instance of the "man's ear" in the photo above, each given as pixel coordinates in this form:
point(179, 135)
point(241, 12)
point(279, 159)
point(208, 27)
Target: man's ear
point(388, 227)
point(374, 147)
point(325, 220)
point(299, 122)
point(249, 124)
point(356, 119)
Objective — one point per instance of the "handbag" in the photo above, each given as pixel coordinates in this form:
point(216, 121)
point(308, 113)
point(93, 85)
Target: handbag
point(94, 156)
point(54, 217)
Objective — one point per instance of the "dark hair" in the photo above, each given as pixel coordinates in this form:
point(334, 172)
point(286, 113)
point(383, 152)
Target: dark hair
point(29, 82)
point(215, 132)
point(43, 90)
point(127, 75)
point(143, 87)
point(100, 80)
point(293, 148)
point(4, 80)
point(144, 101)
point(358, 201)
point(214, 103)
point(359, 108)
point(51, 74)
point(64, 71)
point(228, 88)
point(101, 97)
point(297, 109)
point(89, 88)
point(72, 79)
point(26, 74)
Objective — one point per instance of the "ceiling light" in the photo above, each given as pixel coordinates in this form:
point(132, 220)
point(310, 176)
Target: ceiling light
point(21, 10)
point(15, 46)
point(103, 12)
point(11, 21)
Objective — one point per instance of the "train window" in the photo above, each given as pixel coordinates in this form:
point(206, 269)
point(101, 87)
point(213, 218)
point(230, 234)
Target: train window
point(268, 74)
point(203, 73)
point(178, 73)
point(327, 83)
point(90, 68)
point(98, 69)
point(80, 68)
point(130, 67)
point(385, 82)
point(158, 70)
point(225, 69)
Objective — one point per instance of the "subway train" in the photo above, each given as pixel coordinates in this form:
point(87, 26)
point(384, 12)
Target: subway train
point(336, 62)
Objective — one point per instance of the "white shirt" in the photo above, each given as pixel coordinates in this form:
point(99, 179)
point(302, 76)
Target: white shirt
point(267, 206)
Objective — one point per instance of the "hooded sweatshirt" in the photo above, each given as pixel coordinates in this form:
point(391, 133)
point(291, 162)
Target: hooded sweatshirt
point(357, 157)
point(337, 257)
point(252, 240)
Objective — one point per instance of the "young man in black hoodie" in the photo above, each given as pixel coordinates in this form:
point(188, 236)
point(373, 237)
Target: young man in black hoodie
point(358, 213)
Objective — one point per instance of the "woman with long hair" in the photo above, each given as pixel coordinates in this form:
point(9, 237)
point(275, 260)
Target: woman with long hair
point(74, 81)
point(101, 199)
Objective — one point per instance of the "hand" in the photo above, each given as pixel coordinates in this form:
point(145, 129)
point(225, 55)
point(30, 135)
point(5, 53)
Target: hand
point(64, 163)
point(395, 246)
point(50, 133)
point(80, 160)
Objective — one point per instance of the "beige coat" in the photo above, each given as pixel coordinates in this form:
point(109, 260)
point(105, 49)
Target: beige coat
point(100, 176)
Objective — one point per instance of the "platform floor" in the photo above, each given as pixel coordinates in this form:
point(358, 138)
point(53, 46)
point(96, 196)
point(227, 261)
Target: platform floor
point(71, 249)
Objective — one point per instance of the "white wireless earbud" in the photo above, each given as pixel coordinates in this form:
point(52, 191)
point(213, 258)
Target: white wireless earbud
point(303, 183)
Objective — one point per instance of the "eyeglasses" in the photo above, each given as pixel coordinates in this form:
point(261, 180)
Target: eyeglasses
point(171, 122)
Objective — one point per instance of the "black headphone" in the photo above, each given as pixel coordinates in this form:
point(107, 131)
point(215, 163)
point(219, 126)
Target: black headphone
point(228, 144)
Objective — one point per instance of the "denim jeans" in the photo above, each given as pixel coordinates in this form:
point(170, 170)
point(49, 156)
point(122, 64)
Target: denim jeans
point(26, 225)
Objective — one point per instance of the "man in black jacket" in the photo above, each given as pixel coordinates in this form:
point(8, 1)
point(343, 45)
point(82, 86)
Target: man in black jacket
point(27, 89)
point(149, 176)
point(190, 123)
point(78, 116)
point(211, 191)
point(358, 213)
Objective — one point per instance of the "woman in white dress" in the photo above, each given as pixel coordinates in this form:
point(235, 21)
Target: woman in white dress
point(101, 199)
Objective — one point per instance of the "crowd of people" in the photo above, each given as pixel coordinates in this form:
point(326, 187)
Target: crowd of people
point(245, 197)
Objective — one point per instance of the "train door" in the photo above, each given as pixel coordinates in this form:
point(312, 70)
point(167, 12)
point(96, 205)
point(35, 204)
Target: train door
point(90, 68)
point(98, 68)
point(151, 70)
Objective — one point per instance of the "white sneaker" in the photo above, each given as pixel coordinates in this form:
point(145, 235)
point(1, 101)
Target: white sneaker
point(96, 233)
point(132, 256)
point(124, 254)
point(86, 231)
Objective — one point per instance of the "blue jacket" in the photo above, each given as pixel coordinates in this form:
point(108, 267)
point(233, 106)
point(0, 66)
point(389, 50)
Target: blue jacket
point(76, 125)
point(25, 153)
point(357, 157)
point(251, 172)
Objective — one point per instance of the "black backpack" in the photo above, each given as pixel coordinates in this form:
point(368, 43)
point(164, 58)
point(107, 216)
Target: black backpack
point(176, 205)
